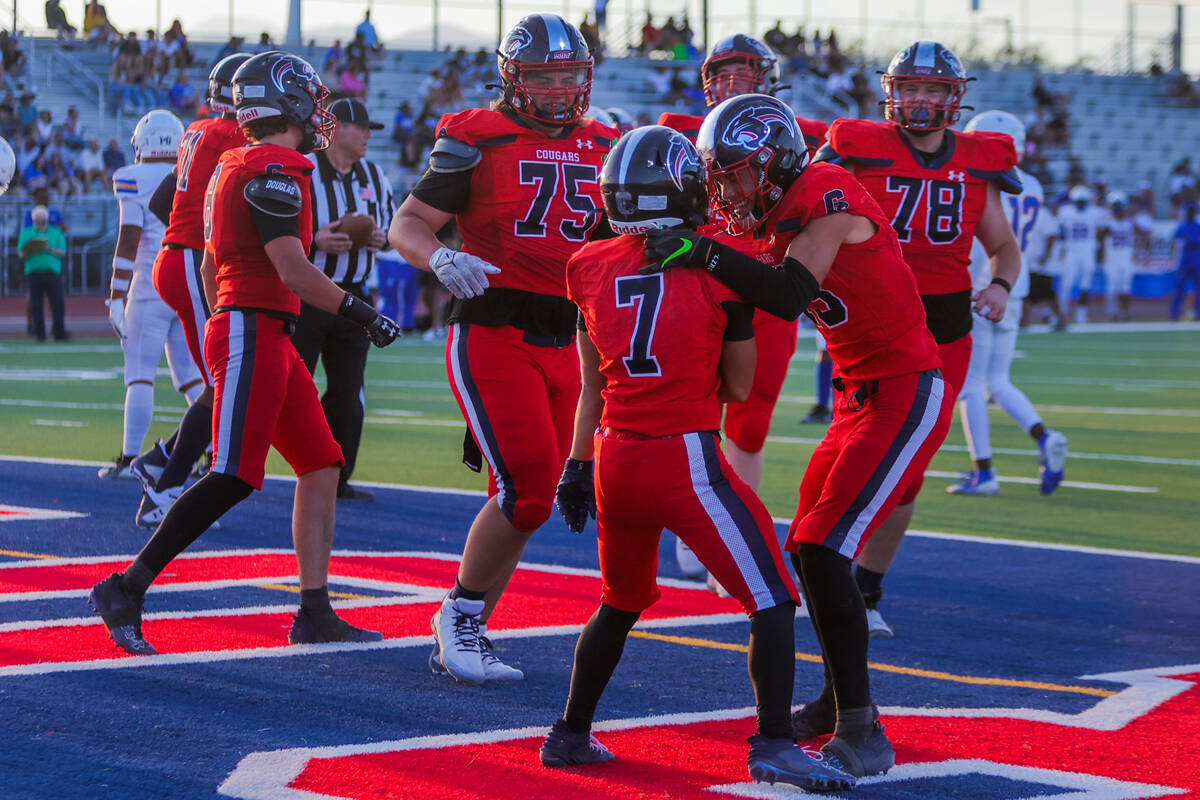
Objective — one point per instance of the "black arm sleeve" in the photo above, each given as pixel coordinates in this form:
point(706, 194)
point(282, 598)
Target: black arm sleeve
point(740, 325)
point(271, 227)
point(784, 292)
point(602, 230)
point(445, 191)
point(164, 197)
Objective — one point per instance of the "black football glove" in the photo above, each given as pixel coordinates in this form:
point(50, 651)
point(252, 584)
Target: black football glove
point(383, 331)
point(576, 495)
point(678, 247)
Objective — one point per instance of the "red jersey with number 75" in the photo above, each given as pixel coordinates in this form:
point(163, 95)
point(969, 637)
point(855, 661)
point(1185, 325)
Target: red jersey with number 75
point(199, 150)
point(659, 336)
point(534, 199)
point(933, 201)
point(868, 309)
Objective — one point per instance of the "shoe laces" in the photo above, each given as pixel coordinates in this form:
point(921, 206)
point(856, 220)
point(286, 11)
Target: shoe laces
point(487, 651)
point(466, 631)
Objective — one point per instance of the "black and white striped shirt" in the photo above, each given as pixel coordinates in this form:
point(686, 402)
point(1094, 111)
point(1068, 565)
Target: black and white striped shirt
point(362, 190)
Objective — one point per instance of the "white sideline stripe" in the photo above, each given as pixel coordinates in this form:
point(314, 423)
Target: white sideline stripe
point(408, 487)
point(200, 586)
point(958, 448)
point(265, 775)
point(1100, 487)
point(287, 651)
point(26, 514)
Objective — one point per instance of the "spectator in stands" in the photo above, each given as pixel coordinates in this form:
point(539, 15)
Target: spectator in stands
point(366, 31)
point(353, 78)
point(89, 167)
point(56, 20)
point(27, 154)
point(13, 60)
point(334, 57)
point(651, 36)
point(658, 80)
point(60, 176)
point(96, 27)
point(175, 46)
point(42, 248)
point(129, 46)
point(590, 37)
point(234, 45)
point(43, 129)
point(149, 42)
point(1181, 187)
point(10, 125)
point(402, 125)
point(34, 175)
point(41, 197)
point(837, 88)
point(58, 144)
point(183, 94)
point(776, 39)
point(483, 69)
point(72, 129)
point(863, 94)
point(27, 112)
point(265, 45)
point(114, 159)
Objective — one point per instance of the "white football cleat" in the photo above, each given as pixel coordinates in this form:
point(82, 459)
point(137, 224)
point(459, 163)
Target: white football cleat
point(120, 468)
point(973, 486)
point(155, 505)
point(689, 565)
point(456, 640)
point(493, 668)
point(1052, 461)
point(148, 467)
point(877, 628)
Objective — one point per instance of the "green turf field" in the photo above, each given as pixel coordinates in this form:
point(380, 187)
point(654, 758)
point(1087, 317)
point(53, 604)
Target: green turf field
point(1127, 401)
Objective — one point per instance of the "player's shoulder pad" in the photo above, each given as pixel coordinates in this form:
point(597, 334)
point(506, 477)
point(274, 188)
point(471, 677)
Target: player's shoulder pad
point(863, 141)
point(453, 155)
point(826, 154)
point(687, 124)
point(479, 127)
point(275, 193)
point(815, 132)
point(602, 136)
point(991, 156)
point(124, 181)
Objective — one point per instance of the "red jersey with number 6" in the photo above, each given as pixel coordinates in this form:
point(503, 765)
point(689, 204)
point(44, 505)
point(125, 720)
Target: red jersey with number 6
point(659, 336)
point(689, 125)
point(534, 199)
point(245, 275)
point(199, 150)
point(868, 309)
point(933, 202)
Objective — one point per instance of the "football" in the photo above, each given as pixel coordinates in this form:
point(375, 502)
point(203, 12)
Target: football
point(358, 227)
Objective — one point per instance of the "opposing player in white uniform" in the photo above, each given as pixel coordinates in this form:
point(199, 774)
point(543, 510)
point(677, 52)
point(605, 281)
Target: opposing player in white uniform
point(1080, 222)
point(1116, 254)
point(995, 342)
point(142, 321)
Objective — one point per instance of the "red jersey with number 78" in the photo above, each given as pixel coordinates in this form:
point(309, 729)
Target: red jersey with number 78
point(659, 336)
point(199, 150)
point(933, 202)
point(534, 199)
point(868, 310)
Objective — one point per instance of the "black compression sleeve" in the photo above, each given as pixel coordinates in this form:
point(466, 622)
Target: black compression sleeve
point(740, 324)
point(445, 191)
point(784, 292)
point(271, 227)
point(163, 198)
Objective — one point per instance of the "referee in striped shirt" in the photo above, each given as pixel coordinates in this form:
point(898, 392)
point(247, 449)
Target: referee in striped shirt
point(344, 183)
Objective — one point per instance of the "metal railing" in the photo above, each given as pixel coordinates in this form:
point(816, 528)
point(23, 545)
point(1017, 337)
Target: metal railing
point(57, 66)
point(91, 222)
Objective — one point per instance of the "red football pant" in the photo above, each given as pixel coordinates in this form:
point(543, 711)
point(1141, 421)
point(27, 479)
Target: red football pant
point(177, 280)
point(682, 483)
point(264, 397)
point(519, 400)
point(956, 360)
point(872, 450)
point(747, 423)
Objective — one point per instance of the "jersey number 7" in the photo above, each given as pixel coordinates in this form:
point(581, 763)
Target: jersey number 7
point(645, 292)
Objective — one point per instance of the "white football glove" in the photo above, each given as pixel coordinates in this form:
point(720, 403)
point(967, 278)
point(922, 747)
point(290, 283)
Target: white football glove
point(463, 274)
point(116, 315)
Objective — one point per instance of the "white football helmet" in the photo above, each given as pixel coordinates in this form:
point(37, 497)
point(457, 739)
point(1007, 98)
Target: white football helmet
point(8, 165)
point(1080, 194)
point(603, 117)
point(1000, 122)
point(1117, 199)
point(157, 135)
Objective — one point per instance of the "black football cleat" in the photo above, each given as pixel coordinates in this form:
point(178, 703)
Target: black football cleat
point(122, 615)
point(813, 719)
point(566, 748)
point(783, 761)
point(872, 756)
point(309, 629)
point(817, 415)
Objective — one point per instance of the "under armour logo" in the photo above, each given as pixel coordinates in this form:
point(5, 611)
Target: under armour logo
point(957, 176)
point(581, 143)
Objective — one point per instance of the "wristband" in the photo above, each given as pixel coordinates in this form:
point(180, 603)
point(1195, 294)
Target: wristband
point(121, 264)
point(1001, 282)
point(357, 311)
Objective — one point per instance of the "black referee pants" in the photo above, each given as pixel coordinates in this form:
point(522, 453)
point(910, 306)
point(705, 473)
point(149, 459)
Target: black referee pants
point(342, 347)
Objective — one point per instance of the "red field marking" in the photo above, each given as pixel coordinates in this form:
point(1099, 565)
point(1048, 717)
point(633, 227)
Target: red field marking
point(1159, 749)
point(534, 599)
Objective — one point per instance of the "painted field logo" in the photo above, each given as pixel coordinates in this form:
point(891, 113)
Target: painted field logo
point(1141, 742)
point(25, 514)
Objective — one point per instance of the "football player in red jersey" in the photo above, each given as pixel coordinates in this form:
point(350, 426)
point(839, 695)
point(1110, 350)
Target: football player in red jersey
point(659, 354)
point(258, 228)
point(740, 64)
point(940, 189)
point(522, 179)
point(180, 199)
point(842, 265)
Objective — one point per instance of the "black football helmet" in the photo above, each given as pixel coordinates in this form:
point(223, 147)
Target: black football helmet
point(278, 84)
point(754, 151)
point(762, 63)
point(925, 62)
point(539, 49)
point(653, 178)
point(220, 83)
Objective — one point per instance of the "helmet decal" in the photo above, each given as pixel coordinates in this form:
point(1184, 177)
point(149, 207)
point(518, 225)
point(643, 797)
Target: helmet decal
point(951, 60)
point(517, 40)
point(680, 159)
point(751, 127)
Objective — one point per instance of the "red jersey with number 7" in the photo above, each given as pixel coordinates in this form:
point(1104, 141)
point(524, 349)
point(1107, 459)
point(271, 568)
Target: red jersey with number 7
point(199, 150)
point(868, 310)
point(933, 201)
point(659, 336)
point(534, 199)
